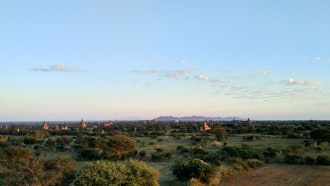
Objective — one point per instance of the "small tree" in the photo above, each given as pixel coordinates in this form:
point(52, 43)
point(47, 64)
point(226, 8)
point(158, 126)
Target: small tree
point(118, 147)
point(321, 134)
point(195, 168)
point(220, 133)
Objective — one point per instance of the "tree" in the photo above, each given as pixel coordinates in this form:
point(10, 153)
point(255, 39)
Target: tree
point(118, 147)
point(129, 173)
point(195, 168)
point(321, 134)
point(220, 133)
point(19, 166)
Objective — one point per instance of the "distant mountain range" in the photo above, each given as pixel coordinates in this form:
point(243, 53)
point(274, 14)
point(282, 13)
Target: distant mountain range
point(197, 118)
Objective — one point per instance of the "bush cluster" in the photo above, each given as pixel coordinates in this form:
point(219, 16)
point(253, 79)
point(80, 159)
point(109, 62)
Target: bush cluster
point(128, 173)
point(195, 168)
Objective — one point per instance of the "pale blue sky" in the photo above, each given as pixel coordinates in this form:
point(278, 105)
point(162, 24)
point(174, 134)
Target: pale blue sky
point(106, 60)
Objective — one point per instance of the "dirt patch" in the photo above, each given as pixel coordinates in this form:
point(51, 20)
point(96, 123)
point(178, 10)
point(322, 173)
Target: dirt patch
point(281, 175)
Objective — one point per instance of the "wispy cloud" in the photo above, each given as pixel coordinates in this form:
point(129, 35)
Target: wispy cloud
point(291, 81)
point(201, 77)
point(183, 61)
point(264, 72)
point(145, 72)
point(172, 74)
point(57, 68)
point(317, 59)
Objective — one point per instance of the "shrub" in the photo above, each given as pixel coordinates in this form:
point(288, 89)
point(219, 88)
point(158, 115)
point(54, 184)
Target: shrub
point(161, 156)
point(90, 154)
point(254, 163)
point(294, 159)
point(321, 134)
point(238, 164)
point(128, 173)
point(142, 153)
point(220, 133)
point(295, 149)
point(270, 153)
point(323, 160)
point(30, 140)
point(199, 151)
point(244, 152)
point(119, 147)
point(213, 158)
point(310, 160)
point(195, 168)
point(182, 149)
point(159, 149)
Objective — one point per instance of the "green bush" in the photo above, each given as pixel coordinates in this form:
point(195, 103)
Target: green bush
point(244, 152)
point(129, 173)
point(119, 147)
point(294, 159)
point(199, 151)
point(160, 156)
point(195, 168)
point(323, 160)
point(310, 160)
point(213, 158)
point(295, 149)
point(29, 140)
point(90, 154)
point(182, 149)
point(270, 153)
point(143, 153)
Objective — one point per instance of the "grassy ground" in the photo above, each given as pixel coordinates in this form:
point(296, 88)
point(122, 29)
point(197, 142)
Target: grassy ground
point(169, 144)
point(275, 174)
point(281, 175)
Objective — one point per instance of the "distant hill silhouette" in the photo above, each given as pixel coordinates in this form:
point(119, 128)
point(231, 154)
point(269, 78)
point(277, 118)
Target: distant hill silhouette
point(197, 118)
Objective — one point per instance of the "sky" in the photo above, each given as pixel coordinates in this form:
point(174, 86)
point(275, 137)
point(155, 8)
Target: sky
point(140, 59)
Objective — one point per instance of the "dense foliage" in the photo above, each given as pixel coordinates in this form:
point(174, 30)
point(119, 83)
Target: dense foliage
point(195, 168)
point(129, 173)
point(19, 166)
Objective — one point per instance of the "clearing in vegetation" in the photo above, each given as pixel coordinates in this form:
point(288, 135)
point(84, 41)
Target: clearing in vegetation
point(281, 175)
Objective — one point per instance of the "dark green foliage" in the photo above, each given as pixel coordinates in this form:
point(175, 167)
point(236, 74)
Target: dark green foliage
point(199, 151)
point(143, 153)
point(321, 134)
point(128, 173)
point(294, 159)
point(30, 140)
point(65, 140)
point(182, 149)
point(50, 144)
point(270, 153)
point(213, 157)
point(195, 168)
point(220, 133)
point(160, 156)
point(323, 160)
point(295, 149)
point(310, 160)
point(244, 152)
point(90, 154)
